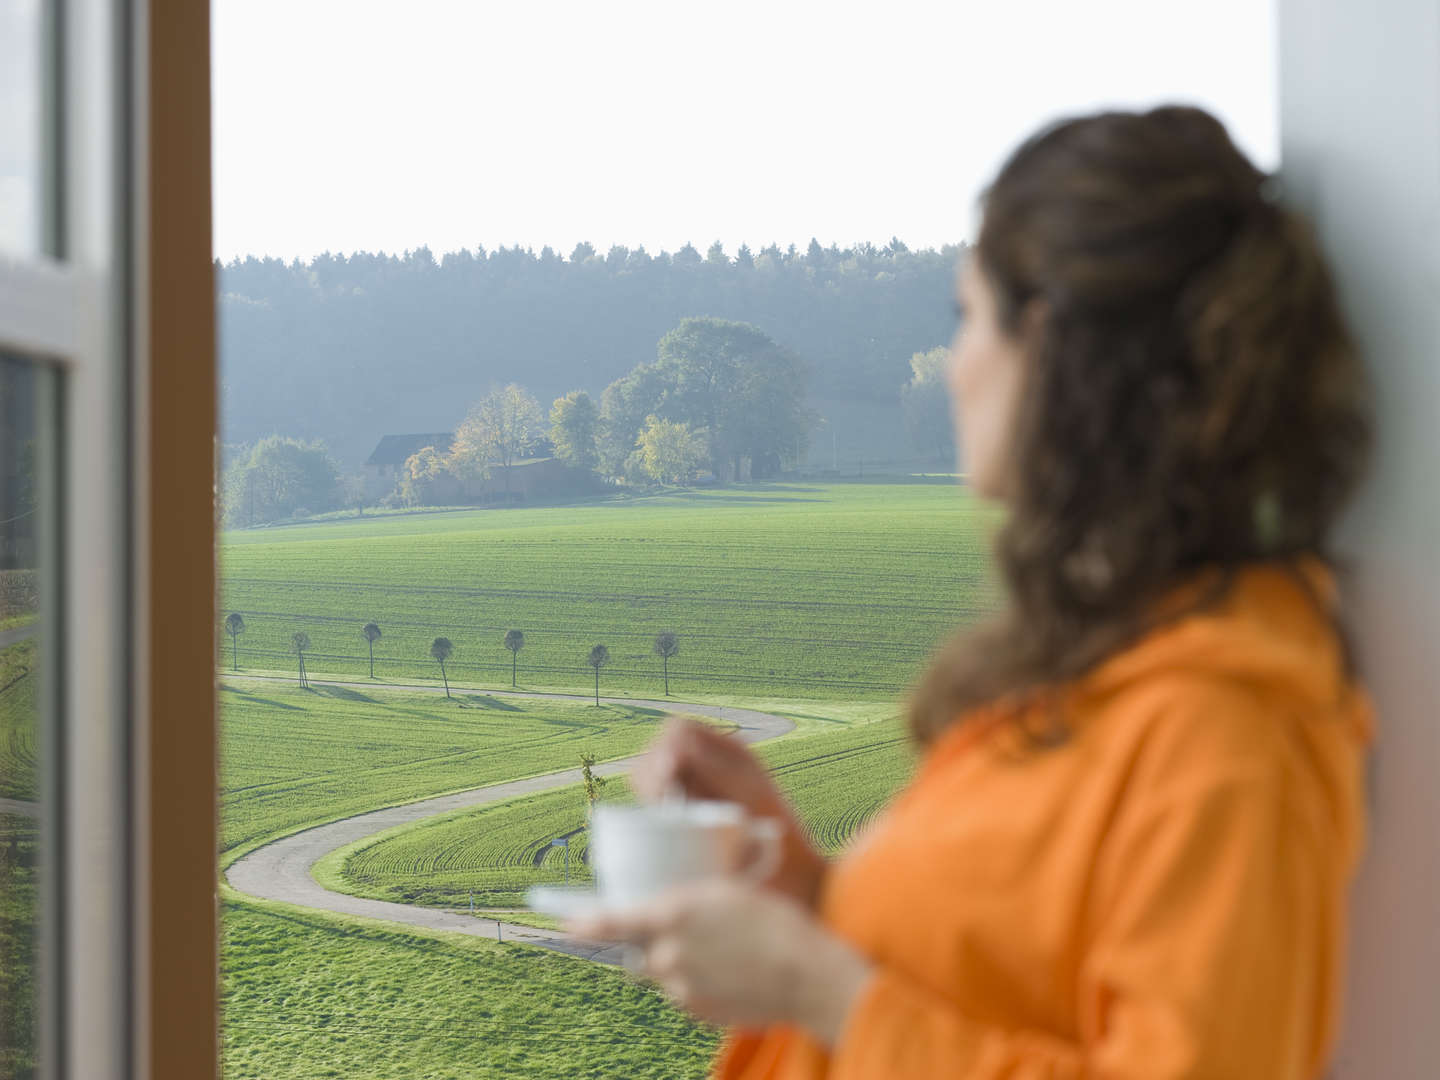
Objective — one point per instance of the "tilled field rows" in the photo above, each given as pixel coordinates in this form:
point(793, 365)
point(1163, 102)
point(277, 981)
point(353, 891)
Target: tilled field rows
point(838, 780)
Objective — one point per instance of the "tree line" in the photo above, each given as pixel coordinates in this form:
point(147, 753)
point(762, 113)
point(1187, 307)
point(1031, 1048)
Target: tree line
point(720, 396)
point(666, 646)
point(342, 348)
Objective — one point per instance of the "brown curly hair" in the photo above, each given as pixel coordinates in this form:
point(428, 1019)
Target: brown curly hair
point(1192, 402)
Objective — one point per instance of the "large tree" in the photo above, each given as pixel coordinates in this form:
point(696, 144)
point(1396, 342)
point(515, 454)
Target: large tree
point(926, 404)
point(441, 650)
point(371, 630)
point(727, 379)
point(501, 428)
point(624, 407)
point(279, 478)
point(575, 429)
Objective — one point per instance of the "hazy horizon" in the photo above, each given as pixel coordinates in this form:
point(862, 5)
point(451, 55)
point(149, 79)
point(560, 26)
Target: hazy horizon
point(342, 127)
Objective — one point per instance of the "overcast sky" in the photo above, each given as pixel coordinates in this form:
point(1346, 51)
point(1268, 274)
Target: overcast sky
point(350, 124)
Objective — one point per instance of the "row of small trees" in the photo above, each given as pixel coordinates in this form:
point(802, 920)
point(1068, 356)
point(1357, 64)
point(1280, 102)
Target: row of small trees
point(667, 646)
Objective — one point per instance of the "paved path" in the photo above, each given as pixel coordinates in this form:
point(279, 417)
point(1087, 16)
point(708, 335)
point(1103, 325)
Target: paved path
point(19, 633)
point(23, 809)
point(282, 870)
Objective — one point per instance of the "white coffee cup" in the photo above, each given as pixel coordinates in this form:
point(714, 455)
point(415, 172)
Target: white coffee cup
point(637, 852)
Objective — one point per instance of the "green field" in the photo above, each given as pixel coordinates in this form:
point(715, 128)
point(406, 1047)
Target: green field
point(815, 602)
point(293, 757)
point(19, 772)
point(799, 591)
point(309, 995)
point(19, 859)
point(837, 780)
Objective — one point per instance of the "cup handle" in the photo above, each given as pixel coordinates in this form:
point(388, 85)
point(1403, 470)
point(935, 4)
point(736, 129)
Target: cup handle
point(766, 834)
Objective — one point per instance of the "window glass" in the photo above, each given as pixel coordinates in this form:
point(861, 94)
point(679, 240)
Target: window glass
point(23, 449)
point(20, 126)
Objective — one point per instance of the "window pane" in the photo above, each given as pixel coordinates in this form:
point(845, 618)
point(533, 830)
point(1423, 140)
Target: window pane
point(20, 126)
point(23, 468)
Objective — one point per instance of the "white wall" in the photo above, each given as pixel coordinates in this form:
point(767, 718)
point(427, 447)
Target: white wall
point(1360, 151)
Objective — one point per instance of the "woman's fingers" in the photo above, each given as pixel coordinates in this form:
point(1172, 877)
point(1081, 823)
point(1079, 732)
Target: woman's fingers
point(635, 926)
point(699, 762)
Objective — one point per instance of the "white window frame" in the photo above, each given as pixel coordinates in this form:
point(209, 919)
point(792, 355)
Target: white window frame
point(70, 309)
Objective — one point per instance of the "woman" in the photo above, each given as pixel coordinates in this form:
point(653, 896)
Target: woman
point(1127, 848)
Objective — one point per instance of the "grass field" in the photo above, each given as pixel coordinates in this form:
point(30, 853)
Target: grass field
point(19, 859)
point(818, 592)
point(817, 602)
point(308, 996)
point(292, 757)
point(19, 775)
point(19, 911)
point(837, 780)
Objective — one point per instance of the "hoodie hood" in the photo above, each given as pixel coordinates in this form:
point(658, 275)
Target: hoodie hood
point(1273, 629)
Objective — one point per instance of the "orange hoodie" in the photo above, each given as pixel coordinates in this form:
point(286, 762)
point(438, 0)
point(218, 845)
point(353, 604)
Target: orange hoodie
point(1162, 896)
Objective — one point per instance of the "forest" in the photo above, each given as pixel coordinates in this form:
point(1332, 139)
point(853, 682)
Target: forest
point(343, 349)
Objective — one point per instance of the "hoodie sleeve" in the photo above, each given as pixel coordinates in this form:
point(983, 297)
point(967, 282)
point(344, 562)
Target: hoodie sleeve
point(1208, 951)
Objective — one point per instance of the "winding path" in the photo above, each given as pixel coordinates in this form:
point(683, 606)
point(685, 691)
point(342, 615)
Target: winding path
point(17, 634)
point(282, 870)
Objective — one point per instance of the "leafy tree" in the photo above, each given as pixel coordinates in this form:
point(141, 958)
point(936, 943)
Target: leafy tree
point(426, 478)
point(716, 256)
point(670, 453)
point(575, 429)
point(514, 641)
point(926, 405)
point(371, 630)
point(502, 427)
point(624, 406)
point(441, 650)
point(300, 643)
point(234, 626)
point(278, 477)
point(598, 658)
point(732, 381)
point(667, 644)
point(593, 783)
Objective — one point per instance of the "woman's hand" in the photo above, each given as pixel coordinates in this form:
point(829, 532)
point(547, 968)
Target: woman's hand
point(702, 763)
point(734, 954)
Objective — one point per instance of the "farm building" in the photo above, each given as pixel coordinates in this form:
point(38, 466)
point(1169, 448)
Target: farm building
point(525, 480)
point(383, 466)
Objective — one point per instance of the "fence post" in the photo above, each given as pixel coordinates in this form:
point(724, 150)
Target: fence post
point(499, 935)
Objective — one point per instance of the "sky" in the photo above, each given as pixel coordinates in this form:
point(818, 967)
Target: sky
point(344, 125)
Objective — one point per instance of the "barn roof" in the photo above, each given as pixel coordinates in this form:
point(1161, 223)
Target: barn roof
point(396, 449)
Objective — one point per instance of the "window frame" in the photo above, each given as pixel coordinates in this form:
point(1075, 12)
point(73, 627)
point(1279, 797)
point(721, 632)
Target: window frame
point(120, 305)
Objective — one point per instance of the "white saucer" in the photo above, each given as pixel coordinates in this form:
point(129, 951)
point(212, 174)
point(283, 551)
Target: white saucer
point(567, 902)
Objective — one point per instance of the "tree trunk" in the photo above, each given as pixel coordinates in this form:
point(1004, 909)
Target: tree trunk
point(514, 662)
point(372, 658)
point(666, 661)
point(445, 677)
point(597, 686)
point(234, 653)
